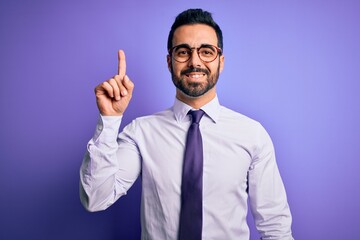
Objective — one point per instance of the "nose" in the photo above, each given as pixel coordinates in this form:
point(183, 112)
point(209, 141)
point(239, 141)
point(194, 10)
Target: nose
point(194, 60)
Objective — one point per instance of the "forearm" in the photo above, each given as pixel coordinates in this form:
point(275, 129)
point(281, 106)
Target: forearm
point(267, 194)
point(107, 171)
point(97, 182)
point(270, 208)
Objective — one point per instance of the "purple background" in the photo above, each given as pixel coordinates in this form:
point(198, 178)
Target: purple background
point(292, 65)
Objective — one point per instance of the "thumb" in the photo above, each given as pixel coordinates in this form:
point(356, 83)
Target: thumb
point(128, 84)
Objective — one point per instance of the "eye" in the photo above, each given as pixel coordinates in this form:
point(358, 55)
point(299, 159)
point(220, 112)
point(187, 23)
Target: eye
point(207, 51)
point(182, 52)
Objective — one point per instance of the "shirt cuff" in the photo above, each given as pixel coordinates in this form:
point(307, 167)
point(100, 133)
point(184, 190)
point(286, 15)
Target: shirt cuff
point(107, 128)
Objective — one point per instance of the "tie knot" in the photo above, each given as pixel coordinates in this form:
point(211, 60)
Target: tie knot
point(196, 115)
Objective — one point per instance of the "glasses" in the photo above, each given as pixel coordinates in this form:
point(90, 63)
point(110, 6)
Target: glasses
point(183, 52)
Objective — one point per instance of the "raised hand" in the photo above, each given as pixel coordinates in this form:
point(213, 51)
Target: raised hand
point(113, 95)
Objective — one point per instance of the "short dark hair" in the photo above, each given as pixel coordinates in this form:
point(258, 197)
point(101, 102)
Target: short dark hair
point(195, 16)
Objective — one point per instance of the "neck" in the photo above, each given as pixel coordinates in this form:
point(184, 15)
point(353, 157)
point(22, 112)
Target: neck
point(196, 102)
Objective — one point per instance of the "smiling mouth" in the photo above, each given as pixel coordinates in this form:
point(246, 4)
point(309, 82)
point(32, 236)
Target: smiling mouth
point(195, 75)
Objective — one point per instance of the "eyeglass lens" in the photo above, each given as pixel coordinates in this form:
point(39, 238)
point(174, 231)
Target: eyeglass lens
point(205, 53)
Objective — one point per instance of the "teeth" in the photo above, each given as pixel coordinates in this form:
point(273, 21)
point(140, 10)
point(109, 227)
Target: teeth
point(196, 76)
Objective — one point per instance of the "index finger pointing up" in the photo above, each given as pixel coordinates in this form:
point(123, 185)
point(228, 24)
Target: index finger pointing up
point(122, 64)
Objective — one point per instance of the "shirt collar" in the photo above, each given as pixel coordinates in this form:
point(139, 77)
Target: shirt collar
point(181, 109)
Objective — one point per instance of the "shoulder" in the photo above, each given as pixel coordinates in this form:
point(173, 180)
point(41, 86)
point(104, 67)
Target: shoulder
point(166, 114)
point(241, 124)
point(245, 127)
point(155, 119)
point(230, 116)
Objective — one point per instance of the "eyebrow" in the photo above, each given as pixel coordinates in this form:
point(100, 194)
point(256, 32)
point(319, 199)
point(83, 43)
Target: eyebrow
point(188, 46)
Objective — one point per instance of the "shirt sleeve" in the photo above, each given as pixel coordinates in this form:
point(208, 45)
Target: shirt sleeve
point(110, 166)
point(268, 201)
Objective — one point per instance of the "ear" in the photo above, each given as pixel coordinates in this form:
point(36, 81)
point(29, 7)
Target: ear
point(222, 61)
point(169, 63)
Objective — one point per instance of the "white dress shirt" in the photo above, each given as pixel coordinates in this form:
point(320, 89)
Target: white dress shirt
point(239, 162)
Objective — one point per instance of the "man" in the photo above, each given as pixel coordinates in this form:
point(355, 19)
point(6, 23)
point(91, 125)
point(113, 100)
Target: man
point(231, 156)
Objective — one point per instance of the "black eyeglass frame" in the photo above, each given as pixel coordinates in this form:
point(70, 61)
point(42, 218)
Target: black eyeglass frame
point(218, 50)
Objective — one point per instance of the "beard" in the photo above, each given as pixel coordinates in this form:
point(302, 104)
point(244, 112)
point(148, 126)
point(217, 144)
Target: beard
point(195, 89)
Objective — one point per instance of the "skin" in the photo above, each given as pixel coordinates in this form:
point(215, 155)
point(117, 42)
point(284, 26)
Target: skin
point(195, 35)
point(113, 96)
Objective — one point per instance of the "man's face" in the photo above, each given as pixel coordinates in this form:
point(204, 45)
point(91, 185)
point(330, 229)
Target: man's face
point(195, 78)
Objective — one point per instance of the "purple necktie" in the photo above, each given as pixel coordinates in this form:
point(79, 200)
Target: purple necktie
point(192, 182)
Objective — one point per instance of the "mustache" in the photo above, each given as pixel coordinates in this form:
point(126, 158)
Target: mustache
point(190, 70)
